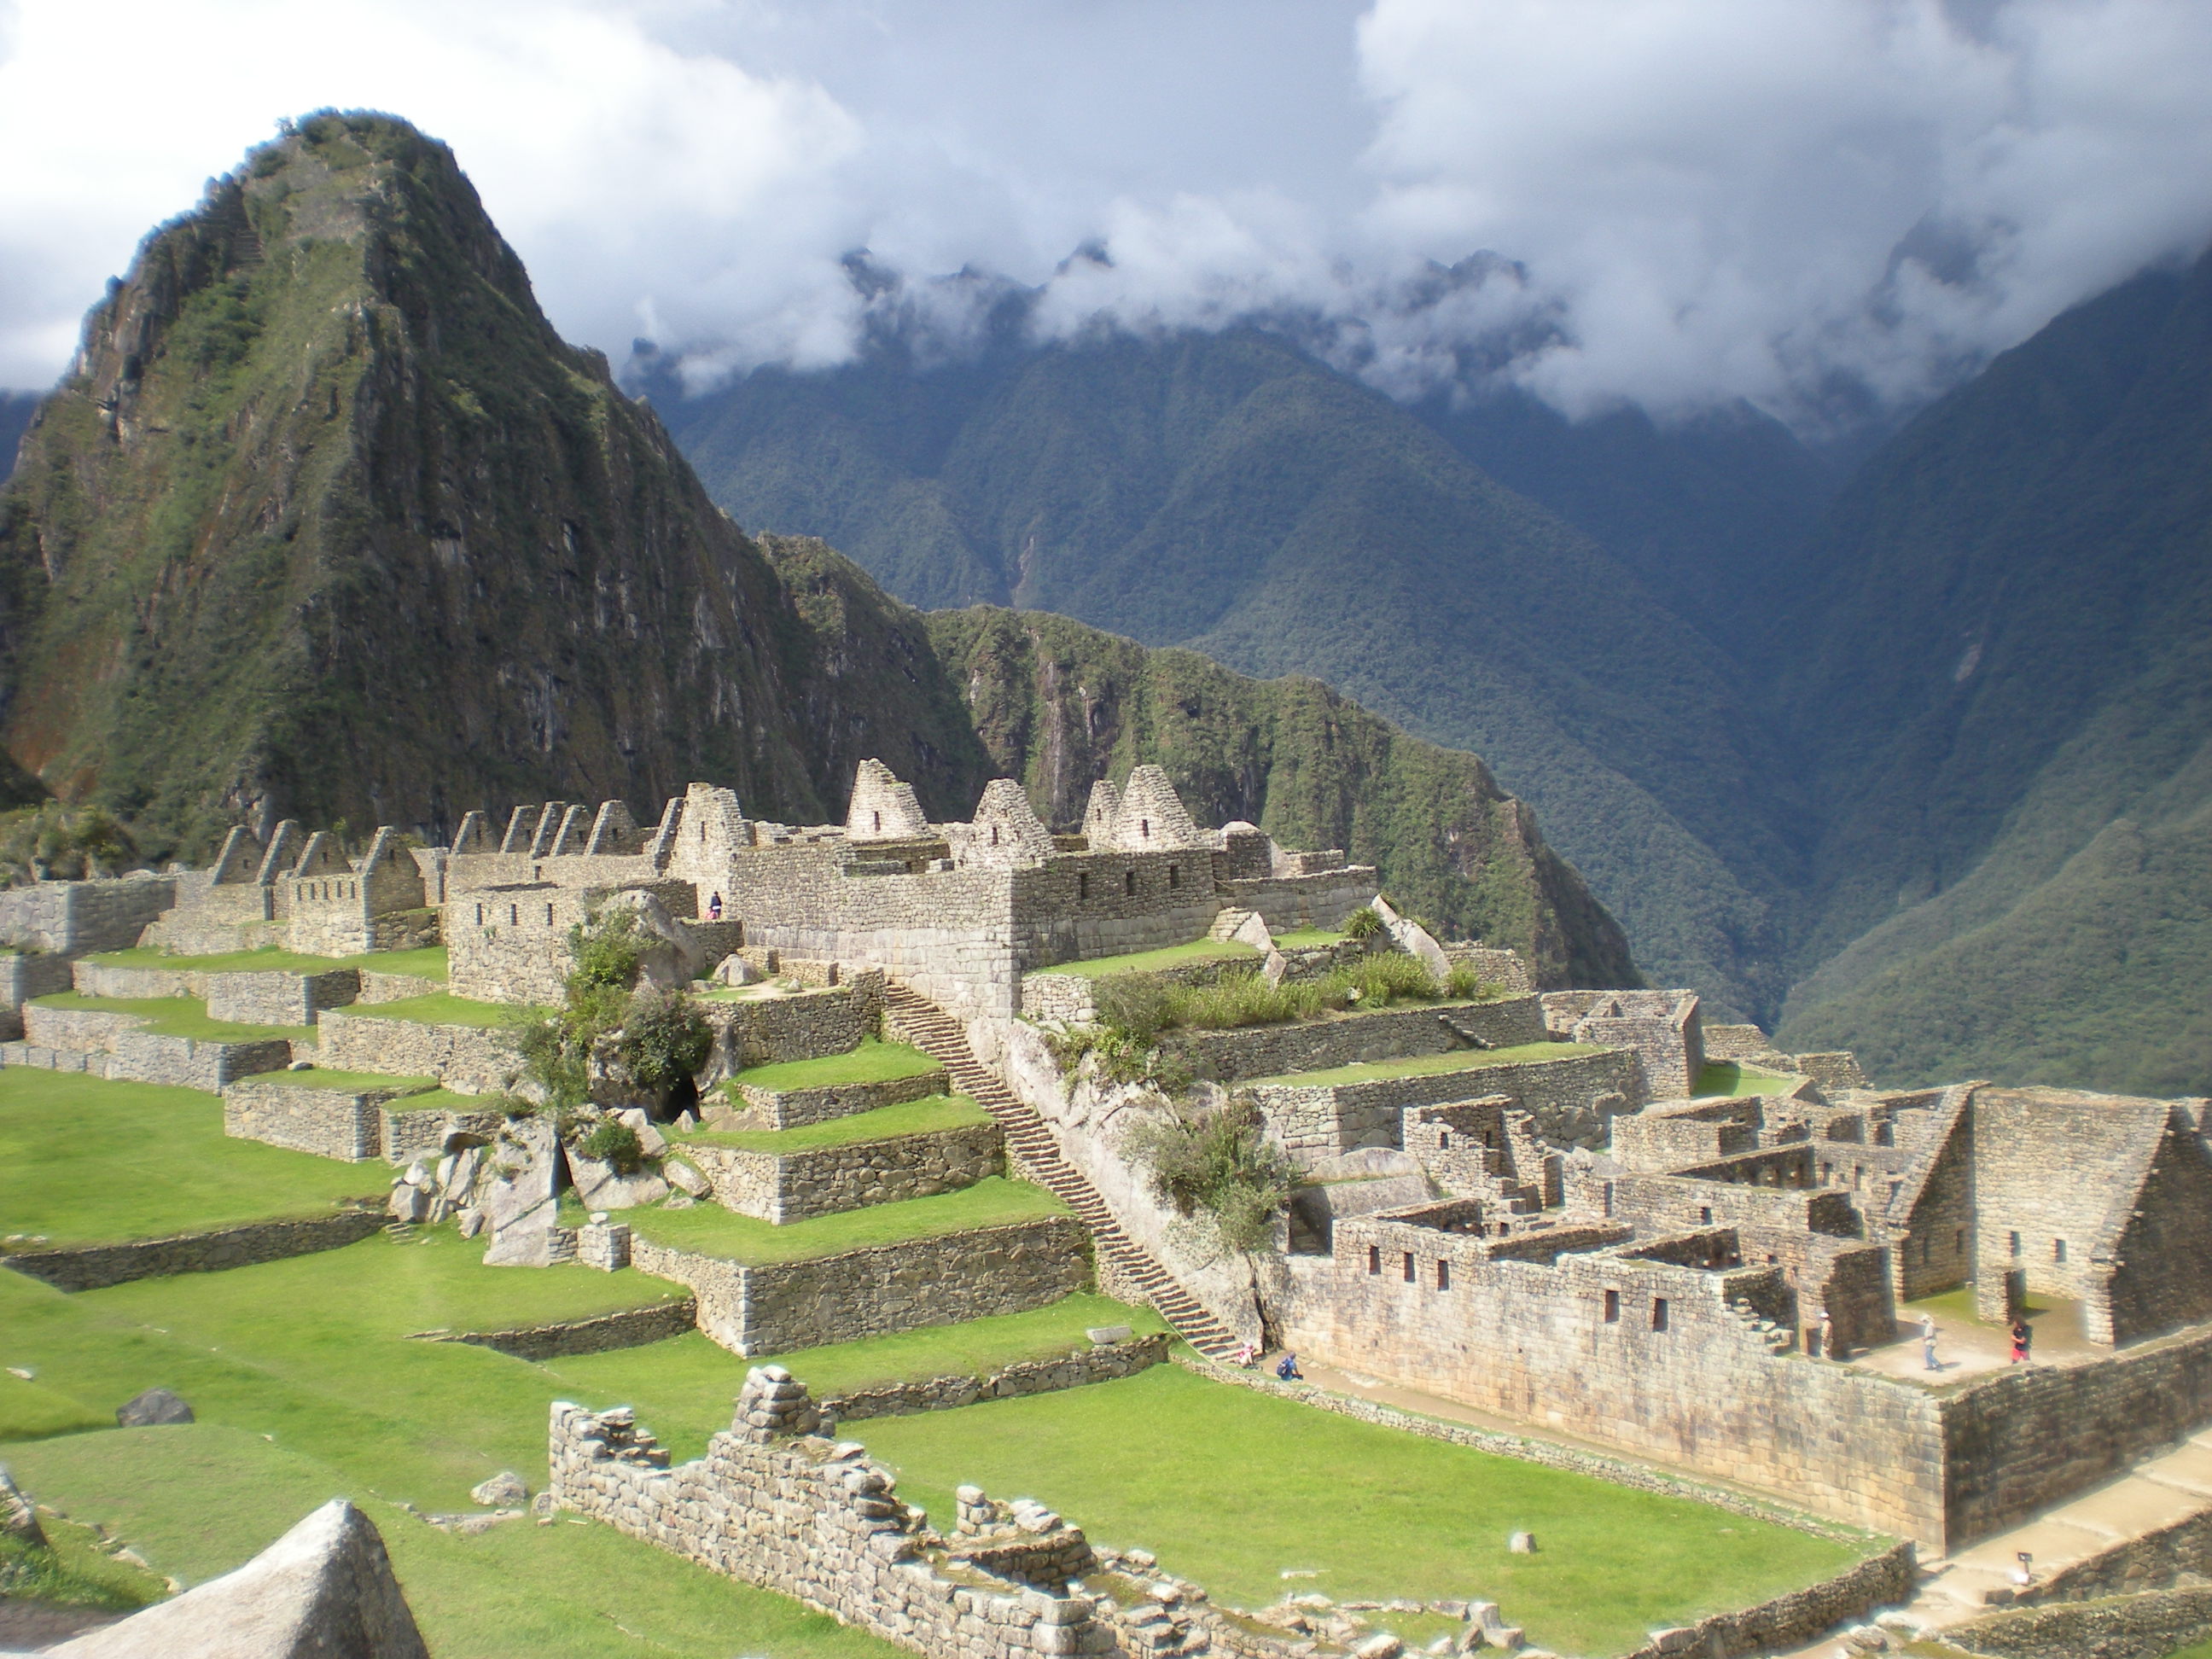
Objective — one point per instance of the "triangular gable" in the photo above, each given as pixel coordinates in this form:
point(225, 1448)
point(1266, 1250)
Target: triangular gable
point(321, 857)
point(884, 808)
point(474, 836)
point(614, 830)
point(241, 859)
point(284, 852)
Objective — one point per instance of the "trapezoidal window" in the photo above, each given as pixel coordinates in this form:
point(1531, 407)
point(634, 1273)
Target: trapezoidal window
point(2015, 1237)
point(1144, 829)
point(879, 819)
point(480, 915)
point(549, 915)
point(1444, 1275)
point(994, 834)
point(1082, 887)
point(1612, 1307)
point(1130, 883)
point(1658, 1313)
point(1409, 1266)
point(514, 915)
point(2058, 1250)
point(1174, 875)
point(1374, 1258)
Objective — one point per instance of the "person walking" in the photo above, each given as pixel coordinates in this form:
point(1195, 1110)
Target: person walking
point(714, 909)
point(1927, 1342)
point(2023, 1336)
point(1827, 1335)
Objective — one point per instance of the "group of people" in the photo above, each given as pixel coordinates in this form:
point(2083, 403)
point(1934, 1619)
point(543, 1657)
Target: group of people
point(2022, 1334)
point(1246, 1355)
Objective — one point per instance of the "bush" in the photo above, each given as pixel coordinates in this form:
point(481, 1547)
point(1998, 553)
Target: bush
point(664, 1038)
point(1365, 922)
point(1219, 1165)
point(608, 949)
point(1134, 1004)
point(54, 843)
point(615, 1142)
point(1141, 1007)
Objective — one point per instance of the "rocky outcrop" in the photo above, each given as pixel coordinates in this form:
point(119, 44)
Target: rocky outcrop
point(324, 1590)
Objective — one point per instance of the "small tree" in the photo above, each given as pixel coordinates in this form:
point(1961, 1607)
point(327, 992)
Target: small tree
point(54, 842)
point(1217, 1164)
point(665, 1039)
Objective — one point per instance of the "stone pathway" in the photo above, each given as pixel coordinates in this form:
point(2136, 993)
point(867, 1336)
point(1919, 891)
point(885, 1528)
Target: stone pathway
point(1030, 1145)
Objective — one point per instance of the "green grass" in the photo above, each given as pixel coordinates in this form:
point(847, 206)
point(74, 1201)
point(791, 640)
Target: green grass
point(911, 1117)
point(73, 1571)
point(427, 964)
point(683, 1388)
point(83, 1160)
point(1307, 939)
point(871, 1062)
point(317, 1078)
point(1151, 961)
point(444, 1008)
point(1727, 1078)
point(184, 1016)
point(1456, 1060)
point(713, 1231)
point(1232, 1488)
point(31, 1411)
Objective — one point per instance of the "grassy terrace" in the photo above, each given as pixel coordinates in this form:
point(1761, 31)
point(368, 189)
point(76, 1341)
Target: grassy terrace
point(184, 1016)
point(444, 1008)
point(86, 1161)
point(871, 1062)
point(710, 1230)
point(1730, 1078)
point(1151, 961)
point(427, 963)
point(1375, 1513)
point(912, 1117)
point(1456, 1060)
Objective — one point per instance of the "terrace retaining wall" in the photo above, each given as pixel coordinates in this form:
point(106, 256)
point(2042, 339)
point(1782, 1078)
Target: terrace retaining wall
point(628, 1327)
point(1105, 1363)
point(470, 1059)
point(340, 1123)
point(1431, 1028)
point(814, 1023)
point(2146, 1626)
point(77, 918)
point(822, 1181)
point(96, 1267)
point(784, 1306)
point(788, 1108)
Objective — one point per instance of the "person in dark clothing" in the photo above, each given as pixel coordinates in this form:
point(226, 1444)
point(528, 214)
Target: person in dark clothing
point(714, 909)
point(1287, 1369)
point(2023, 1336)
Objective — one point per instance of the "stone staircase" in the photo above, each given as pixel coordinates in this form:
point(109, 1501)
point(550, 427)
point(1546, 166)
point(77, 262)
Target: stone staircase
point(1030, 1145)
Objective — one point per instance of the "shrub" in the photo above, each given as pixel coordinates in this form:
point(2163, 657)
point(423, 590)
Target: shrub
point(54, 842)
point(1219, 1165)
point(664, 1038)
point(615, 1142)
point(1136, 1003)
point(1464, 983)
point(607, 948)
point(1365, 922)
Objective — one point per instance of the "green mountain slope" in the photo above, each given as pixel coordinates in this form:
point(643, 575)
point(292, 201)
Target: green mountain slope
point(2006, 706)
point(17, 408)
point(331, 524)
point(1228, 493)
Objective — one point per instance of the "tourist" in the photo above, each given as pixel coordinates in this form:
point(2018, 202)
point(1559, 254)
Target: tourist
point(1827, 1335)
point(1287, 1369)
point(2022, 1337)
point(1244, 1354)
point(1927, 1342)
point(714, 907)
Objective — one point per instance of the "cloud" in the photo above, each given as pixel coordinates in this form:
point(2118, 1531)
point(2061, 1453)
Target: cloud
point(1672, 201)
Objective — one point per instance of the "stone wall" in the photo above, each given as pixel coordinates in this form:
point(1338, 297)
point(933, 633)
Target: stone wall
point(628, 1328)
point(79, 918)
point(789, 1186)
point(1571, 1100)
point(794, 1517)
point(340, 1123)
point(1289, 903)
point(1105, 1363)
point(408, 1135)
point(132, 1055)
point(787, 1109)
point(2162, 1260)
point(1433, 1028)
point(94, 1266)
point(470, 1059)
point(278, 998)
point(766, 1030)
point(25, 975)
point(2031, 1436)
point(1581, 1343)
point(2146, 1626)
point(377, 987)
point(1796, 1617)
point(789, 1305)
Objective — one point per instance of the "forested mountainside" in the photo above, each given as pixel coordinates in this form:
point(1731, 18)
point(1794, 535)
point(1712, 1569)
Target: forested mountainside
point(17, 408)
point(331, 524)
point(1882, 749)
point(2005, 702)
point(1228, 493)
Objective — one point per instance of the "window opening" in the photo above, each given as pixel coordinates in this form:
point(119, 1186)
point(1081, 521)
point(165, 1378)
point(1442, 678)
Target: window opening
point(1444, 1275)
point(1082, 887)
point(1409, 1266)
point(1658, 1313)
point(1612, 1307)
point(1129, 882)
point(2058, 1250)
point(1374, 1258)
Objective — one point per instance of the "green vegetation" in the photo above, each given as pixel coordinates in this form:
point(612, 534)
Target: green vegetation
point(1218, 1164)
point(184, 1016)
point(427, 964)
point(442, 1008)
point(71, 1570)
point(1151, 961)
point(710, 1230)
point(873, 1062)
point(54, 843)
point(1727, 1078)
point(1455, 1059)
point(1307, 939)
point(1377, 1513)
point(1143, 1008)
point(86, 1161)
point(31, 1411)
point(317, 1078)
point(912, 1117)
point(658, 1038)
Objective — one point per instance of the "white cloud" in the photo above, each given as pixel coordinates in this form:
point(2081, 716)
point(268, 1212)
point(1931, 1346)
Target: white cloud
point(1689, 200)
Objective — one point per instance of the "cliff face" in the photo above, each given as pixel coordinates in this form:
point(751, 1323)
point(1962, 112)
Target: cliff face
point(327, 522)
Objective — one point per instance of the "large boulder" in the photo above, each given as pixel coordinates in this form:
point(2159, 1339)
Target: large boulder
point(324, 1590)
point(152, 1409)
point(672, 954)
point(520, 1200)
point(19, 1520)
